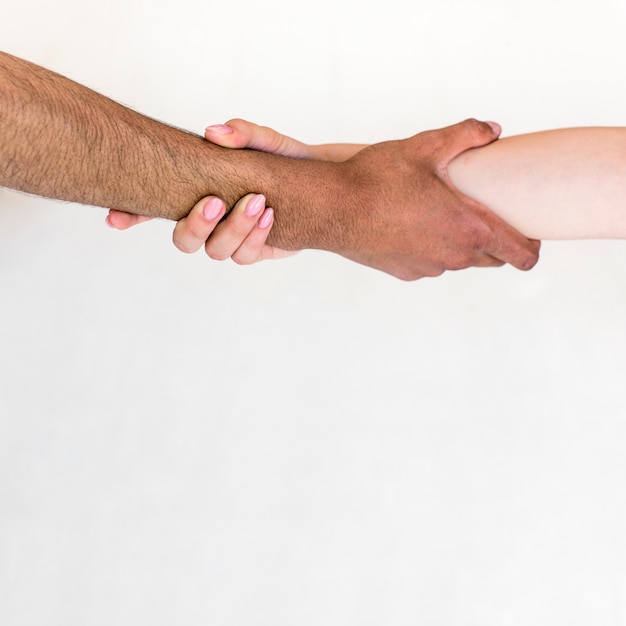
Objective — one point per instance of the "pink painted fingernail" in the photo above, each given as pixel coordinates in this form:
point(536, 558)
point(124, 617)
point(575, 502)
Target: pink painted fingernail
point(255, 205)
point(212, 209)
point(108, 222)
point(266, 218)
point(220, 129)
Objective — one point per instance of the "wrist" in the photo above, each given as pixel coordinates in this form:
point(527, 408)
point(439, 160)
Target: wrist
point(305, 196)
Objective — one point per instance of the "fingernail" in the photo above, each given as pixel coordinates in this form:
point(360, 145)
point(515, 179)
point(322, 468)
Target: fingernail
point(220, 129)
point(212, 209)
point(255, 205)
point(497, 129)
point(266, 218)
point(108, 221)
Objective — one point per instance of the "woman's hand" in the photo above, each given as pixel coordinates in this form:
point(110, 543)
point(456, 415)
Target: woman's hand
point(243, 134)
point(241, 236)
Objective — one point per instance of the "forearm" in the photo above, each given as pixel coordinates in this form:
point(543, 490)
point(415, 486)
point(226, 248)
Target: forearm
point(62, 140)
point(562, 184)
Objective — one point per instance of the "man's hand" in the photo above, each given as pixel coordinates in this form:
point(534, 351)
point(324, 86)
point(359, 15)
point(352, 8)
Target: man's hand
point(404, 217)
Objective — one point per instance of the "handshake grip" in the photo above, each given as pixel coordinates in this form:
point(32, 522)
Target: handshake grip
point(390, 206)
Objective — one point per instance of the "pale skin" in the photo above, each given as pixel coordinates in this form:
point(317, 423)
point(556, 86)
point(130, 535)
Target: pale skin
point(390, 206)
point(560, 184)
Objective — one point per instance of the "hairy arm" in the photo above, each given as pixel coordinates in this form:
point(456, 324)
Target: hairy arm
point(558, 184)
point(62, 140)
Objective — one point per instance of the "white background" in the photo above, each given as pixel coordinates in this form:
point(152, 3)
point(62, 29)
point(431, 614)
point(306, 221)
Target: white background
point(310, 441)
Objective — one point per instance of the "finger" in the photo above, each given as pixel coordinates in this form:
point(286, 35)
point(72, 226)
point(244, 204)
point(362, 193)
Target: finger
point(466, 135)
point(239, 133)
point(271, 253)
point(252, 248)
point(486, 260)
point(191, 232)
point(121, 220)
point(232, 231)
point(509, 245)
point(498, 239)
point(515, 249)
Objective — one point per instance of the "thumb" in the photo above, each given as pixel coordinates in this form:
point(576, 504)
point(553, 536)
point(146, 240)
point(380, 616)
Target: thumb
point(468, 134)
point(239, 133)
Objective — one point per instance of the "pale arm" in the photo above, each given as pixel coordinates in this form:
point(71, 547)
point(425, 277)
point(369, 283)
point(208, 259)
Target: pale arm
point(559, 184)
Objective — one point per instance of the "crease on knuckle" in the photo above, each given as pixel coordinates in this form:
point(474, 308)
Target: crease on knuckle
point(197, 232)
point(183, 247)
point(240, 259)
point(276, 143)
point(481, 237)
point(476, 241)
point(473, 126)
point(216, 255)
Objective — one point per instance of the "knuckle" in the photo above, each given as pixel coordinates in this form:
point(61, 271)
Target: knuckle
point(244, 131)
point(241, 259)
point(474, 241)
point(183, 247)
point(237, 232)
point(275, 142)
point(216, 255)
point(479, 132)
point(435, 272)
point(458, 262)
point(471, 122)
point(197, 232)
point(481, 237)
point(528, 262)
point(473, 125)
point(409, 275)
point(237, 122)
point(182, 243)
